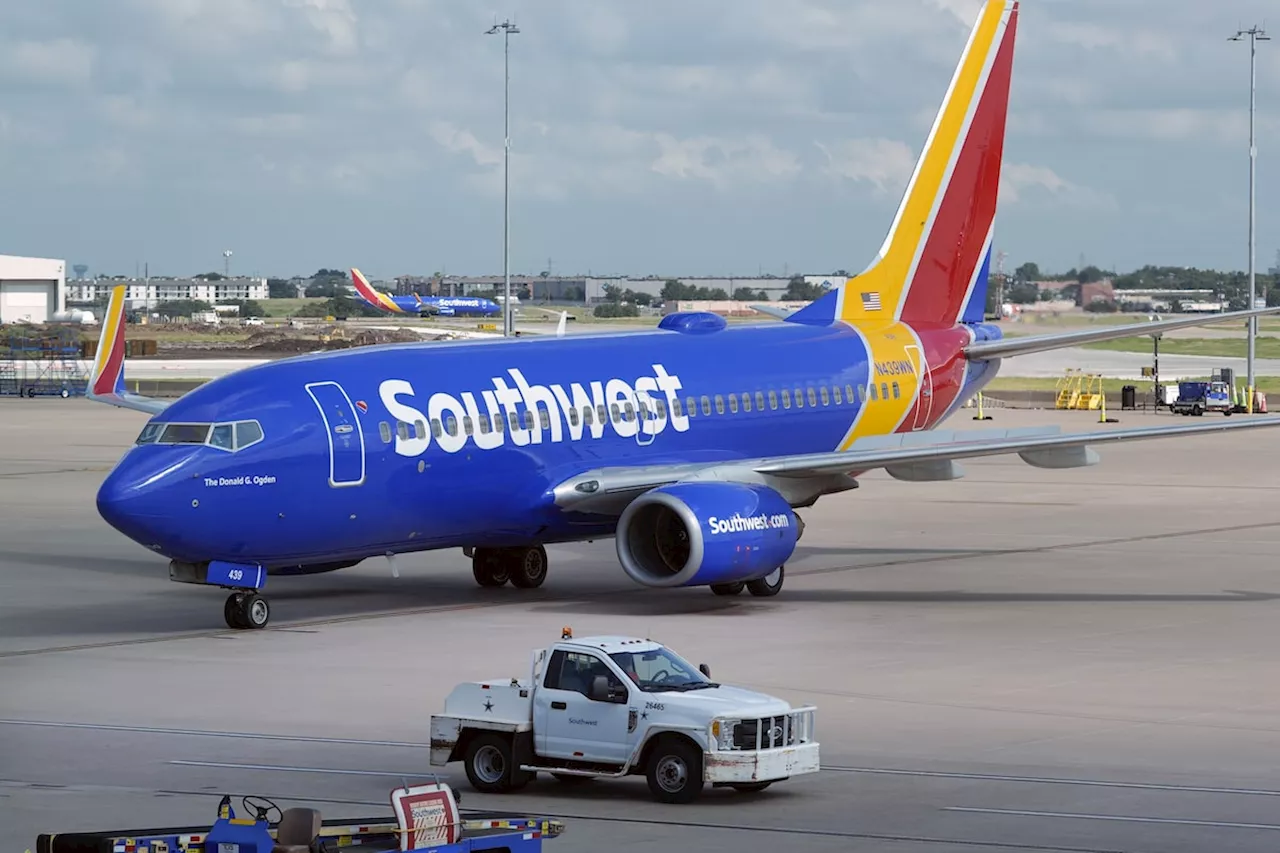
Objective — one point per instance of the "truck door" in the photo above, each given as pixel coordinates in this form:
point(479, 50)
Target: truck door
point(568, 724)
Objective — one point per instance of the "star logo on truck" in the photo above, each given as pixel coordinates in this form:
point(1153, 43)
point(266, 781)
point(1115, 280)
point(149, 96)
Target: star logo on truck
point(488, 705)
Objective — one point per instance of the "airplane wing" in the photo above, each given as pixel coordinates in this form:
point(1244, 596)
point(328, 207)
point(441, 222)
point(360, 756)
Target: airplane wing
point(918, 457)
point(1008, 347)
point(106, 383)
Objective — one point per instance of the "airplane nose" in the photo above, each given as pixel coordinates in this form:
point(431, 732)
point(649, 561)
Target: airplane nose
point(127, 504)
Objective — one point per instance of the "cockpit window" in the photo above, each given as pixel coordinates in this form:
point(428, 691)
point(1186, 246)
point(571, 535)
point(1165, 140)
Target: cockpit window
point(230, 436)
point(185, 434)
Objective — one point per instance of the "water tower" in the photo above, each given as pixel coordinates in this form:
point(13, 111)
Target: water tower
point(81, 269)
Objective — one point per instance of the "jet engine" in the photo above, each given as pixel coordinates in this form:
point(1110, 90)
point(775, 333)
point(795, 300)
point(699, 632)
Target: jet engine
point(698, 534)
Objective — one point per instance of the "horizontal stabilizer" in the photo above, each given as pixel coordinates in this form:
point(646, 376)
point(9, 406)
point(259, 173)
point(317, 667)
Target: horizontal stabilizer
point(780, 311)
point(1009, 347)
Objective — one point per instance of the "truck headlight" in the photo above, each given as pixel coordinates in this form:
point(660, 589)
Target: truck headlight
point(722, 731)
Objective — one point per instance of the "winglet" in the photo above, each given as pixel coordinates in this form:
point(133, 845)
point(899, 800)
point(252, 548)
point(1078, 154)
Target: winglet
point(560, 327)
point(106, 382)
point(373, 297)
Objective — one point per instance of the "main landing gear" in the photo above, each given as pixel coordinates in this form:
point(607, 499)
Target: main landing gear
point(765, 587)
point(246, 610)
point(525, 567)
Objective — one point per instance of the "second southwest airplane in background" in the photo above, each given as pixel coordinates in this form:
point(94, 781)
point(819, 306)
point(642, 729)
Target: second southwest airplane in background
point(445, 306)
point(693, 444)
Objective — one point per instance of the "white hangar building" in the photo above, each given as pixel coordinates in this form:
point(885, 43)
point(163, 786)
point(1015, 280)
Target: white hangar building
point(32, 290)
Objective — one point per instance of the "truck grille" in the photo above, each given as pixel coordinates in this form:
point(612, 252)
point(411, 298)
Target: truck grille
point(773, 732)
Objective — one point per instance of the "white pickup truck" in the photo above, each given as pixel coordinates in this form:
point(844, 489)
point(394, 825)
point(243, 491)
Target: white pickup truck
point(621, 706)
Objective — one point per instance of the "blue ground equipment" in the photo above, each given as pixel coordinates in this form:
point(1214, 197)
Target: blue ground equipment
point(426, 818)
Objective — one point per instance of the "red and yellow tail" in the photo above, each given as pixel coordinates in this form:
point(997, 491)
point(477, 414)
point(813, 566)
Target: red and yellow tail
point(932, 268)
point(375, 298)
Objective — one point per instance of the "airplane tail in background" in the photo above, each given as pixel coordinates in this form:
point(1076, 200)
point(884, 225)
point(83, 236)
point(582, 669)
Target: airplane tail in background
point(378, 300)
point(932, 268)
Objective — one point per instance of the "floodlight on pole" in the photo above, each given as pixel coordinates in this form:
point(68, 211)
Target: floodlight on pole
point(1255, 34)
point(506, 28)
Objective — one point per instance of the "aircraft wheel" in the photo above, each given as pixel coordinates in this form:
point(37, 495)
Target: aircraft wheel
point(489, 567)
point(528, 566)
point(769, 585)
point(254, 611)
point(231, 610)
point(728, 588)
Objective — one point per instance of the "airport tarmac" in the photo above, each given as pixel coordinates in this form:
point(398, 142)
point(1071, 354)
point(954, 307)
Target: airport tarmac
point(1023, 659)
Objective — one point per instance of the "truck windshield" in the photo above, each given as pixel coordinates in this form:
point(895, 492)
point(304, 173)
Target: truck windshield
point(659, 669)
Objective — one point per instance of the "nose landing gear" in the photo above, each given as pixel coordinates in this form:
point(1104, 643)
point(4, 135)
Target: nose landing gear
point(246, 610)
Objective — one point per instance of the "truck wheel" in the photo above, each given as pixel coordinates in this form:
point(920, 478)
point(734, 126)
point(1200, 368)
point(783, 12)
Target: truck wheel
point(675, 771)
point(491, 767)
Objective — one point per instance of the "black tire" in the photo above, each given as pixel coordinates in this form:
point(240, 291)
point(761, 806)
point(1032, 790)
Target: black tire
point(675, 771)
point(769, 585)
point(728, 588)
point(491, 766)
point(231, 611)
point(255, 611)
point(752, 787)
point(488, 567)
point(528, 566)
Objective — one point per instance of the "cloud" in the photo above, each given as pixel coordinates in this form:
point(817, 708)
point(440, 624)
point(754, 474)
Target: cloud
point(747, 133)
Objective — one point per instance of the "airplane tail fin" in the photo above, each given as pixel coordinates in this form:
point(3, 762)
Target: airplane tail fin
point(932, 267)
point(375, 298)
point(106, 381)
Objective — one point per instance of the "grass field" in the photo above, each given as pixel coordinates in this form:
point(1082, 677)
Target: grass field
point(1267, 346)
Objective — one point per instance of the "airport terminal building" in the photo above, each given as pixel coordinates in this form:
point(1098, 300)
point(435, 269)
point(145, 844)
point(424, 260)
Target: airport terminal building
point(144, 292)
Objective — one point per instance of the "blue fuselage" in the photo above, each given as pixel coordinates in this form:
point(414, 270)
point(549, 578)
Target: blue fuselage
point(393, 449)
point(447, 305)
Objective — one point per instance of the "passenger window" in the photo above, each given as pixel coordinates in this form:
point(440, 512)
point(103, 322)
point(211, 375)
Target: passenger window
point(746, 402)
point(484, 424)
point(733, 403)
point(884, 390)
point(223, 437)
point(628, 412)
point(895, 390)
point(873, 392)
point(661, 407)
point(835, 392)
point(498, 423)
point(528, 419)
point(402, 430)
point(676, 408)
point(515, 420)
point(249, 432)
point(812, 397)
point(826, 399)
point(706, 405)
point(719, 405)
point(451, 425)
point(616, 412)
point(419, 429)
point(544, 418)
point(587, 415)
point(799, 399)
point(467, 426)
point(384, 430)
point(436, 429)
point(692, 407)
point(573, 417)
point(773, 400)
point(760, 401)
point(848, 392)
point(786, 399)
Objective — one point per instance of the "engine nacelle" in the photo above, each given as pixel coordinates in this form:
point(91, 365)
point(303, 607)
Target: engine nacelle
point(697, 534)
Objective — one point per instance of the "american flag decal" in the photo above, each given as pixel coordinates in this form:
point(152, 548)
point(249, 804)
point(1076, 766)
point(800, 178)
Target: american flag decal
point(871, 301)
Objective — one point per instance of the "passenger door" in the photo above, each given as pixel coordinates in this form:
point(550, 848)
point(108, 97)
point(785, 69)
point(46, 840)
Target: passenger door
point(568, 724)
point(342, 428)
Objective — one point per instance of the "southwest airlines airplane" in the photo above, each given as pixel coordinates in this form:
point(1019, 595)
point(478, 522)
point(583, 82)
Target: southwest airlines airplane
point(692, 445)
point(446, 306)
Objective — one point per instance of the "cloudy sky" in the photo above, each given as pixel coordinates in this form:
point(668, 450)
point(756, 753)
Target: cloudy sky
point(672, 137)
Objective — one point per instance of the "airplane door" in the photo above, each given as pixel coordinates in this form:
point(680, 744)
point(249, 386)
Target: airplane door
point(924, 404)
point(342, 427)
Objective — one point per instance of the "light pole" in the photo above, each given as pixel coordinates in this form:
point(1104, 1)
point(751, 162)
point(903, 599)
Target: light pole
point(1255, 34)
point(507, 28)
